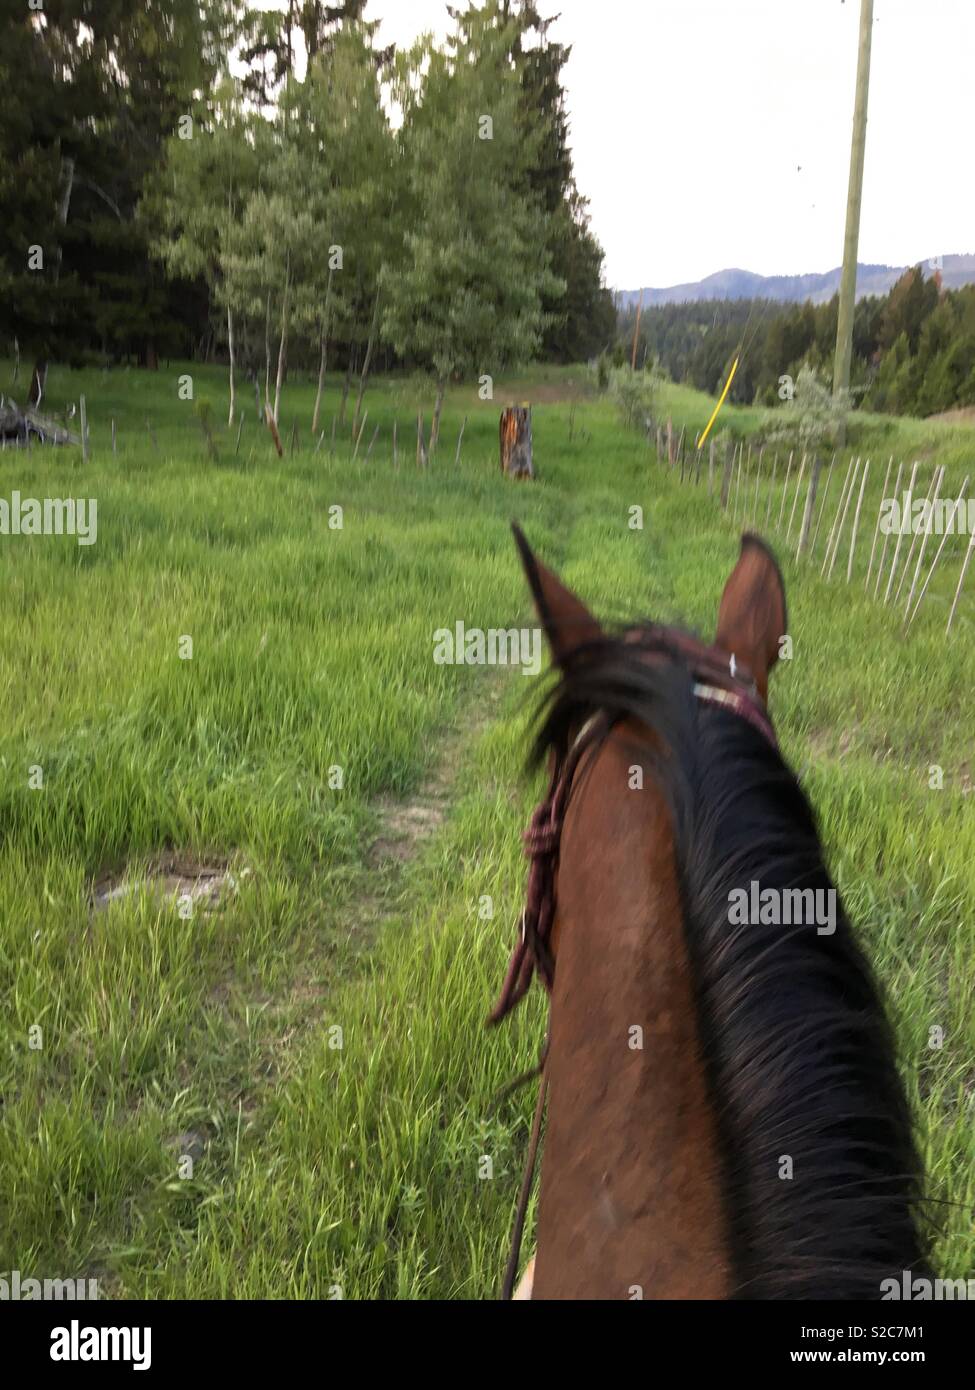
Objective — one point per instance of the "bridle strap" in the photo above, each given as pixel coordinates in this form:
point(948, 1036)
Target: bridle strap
point(524, 1196)
point(744, 706)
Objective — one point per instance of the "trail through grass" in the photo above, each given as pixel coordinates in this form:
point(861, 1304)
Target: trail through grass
point(316, 1045)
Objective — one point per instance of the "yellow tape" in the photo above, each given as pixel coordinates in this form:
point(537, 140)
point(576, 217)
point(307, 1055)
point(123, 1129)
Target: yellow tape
point(714, 416)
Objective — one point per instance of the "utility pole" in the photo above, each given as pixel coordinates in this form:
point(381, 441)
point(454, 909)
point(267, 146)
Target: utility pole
point(636, 331)
point(844, 325)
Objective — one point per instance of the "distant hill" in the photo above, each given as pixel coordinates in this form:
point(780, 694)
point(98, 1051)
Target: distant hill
point(792, 289)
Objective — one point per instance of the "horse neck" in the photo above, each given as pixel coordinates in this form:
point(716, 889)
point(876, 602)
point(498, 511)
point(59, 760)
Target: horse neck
point(630, 1200)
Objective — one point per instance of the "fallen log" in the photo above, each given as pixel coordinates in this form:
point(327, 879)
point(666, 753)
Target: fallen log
point(19, 427)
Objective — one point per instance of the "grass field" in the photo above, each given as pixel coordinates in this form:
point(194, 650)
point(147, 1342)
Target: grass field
point(319, 1167)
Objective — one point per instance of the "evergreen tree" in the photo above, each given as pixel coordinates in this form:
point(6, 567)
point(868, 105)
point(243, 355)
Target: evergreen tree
point(580, 321)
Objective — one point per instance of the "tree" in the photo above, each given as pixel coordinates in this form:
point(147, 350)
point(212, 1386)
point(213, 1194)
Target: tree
point(89, 93)
point(365, 199)
point(467, 294)
point(200, 196)
point(272, 255)
point(910, 302)
point(272, 40)
point(581, 321)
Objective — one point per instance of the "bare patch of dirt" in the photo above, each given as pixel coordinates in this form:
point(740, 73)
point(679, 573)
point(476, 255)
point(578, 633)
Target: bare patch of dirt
point(961, 415)
point(172, 878)
point(547, 392)
point(406, 825)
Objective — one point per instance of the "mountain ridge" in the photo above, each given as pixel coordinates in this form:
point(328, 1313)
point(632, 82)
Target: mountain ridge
point(817, 287)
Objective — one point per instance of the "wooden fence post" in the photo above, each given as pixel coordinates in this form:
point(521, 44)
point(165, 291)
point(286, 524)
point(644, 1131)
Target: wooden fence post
point(935, 478)
point(741, 456)
point(961, 580)
point(785, 490)
point(883, 550)
point(836, 518)
point(876, 529)
point(846, 508)
point(822, 506)
point(711, 467)
point(924, 541)
point(807, 511)
point(795, 500)
point(856, 521)
point(729, 464)
point(934, 563)
point(771, 490)
point(900, 534)
point(758, 479)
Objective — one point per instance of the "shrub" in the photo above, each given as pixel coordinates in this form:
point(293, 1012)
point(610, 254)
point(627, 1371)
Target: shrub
point(634, 394)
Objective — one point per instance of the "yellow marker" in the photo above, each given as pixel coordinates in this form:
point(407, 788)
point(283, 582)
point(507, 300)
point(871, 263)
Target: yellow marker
point(714, 416)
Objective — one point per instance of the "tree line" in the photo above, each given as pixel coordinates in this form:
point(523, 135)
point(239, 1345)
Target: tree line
point(277, 188)
point(913, 348)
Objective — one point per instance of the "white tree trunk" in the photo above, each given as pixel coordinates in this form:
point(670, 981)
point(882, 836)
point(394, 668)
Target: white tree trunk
point(364, 375)
point(39, 375)
point(348, 383)
point(282, 350)
point(230, 343)
point(267, 352)
point(323, 355)
point(67, 175)
point(438, 407)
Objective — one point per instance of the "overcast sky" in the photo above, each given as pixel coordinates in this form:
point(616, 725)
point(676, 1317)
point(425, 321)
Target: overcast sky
point(716, 133)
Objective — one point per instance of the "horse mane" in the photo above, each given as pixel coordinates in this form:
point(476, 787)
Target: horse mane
point(798, 1052)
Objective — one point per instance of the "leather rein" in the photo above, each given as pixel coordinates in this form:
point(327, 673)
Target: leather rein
point(718, 679)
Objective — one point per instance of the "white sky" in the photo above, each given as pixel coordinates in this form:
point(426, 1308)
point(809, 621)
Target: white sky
point(716, 133)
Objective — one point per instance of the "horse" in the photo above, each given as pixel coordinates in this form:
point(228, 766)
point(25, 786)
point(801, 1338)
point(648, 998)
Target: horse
point(725, 1118)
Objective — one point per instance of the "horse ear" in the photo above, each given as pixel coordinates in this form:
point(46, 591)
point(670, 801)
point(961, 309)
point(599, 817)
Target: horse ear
point(752, 616)
point(567, 622)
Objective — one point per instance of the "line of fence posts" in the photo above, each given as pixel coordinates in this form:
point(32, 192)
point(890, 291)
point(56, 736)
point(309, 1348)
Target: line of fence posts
point(737, 474)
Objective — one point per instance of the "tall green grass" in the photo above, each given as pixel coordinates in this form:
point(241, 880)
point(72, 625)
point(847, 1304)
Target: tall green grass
point(362, 1167)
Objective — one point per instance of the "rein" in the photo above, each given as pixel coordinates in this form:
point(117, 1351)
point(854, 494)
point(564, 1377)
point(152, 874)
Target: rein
point(718, 680)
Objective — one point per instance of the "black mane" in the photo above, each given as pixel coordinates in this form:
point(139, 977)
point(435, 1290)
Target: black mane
point(798, 1050)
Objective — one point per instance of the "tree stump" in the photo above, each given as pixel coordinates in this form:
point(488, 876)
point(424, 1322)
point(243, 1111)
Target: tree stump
point(516, 441)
